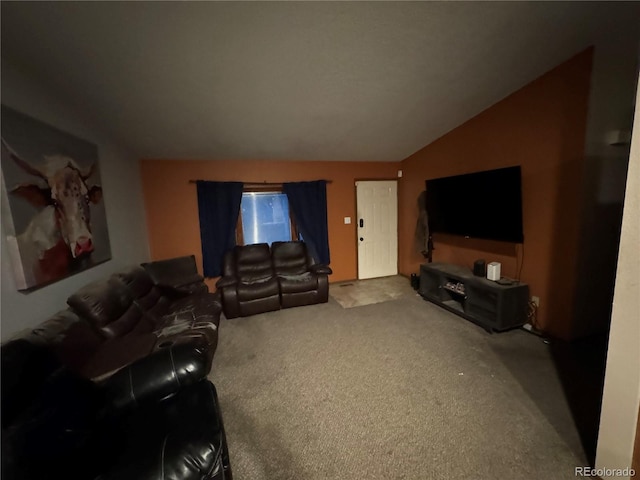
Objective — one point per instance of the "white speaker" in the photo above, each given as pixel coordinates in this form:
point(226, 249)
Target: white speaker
point(493, 271)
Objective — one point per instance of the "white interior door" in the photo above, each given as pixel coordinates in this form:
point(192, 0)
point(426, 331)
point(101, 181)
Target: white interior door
point(377, 227)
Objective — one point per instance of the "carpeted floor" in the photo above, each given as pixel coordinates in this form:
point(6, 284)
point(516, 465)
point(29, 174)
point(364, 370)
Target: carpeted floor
point(400, 389)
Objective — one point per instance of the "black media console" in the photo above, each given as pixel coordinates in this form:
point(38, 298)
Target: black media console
point(489, 304)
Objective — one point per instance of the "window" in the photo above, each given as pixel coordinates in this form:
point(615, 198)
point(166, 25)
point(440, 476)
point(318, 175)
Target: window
point(265, 218)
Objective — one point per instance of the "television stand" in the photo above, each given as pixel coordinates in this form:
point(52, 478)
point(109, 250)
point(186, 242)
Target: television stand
point(493, 306)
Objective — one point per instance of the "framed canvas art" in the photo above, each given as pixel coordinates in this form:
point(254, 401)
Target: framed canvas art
point(52, 207)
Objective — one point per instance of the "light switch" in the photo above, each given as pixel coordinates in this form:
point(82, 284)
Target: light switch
point(347, 220)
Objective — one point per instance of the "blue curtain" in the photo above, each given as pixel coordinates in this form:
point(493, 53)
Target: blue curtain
point(218, 209)
point(308, 203)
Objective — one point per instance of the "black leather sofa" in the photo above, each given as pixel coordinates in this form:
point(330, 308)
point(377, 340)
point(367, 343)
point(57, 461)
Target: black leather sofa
point(258, 278)
point(157, 418)
point(115, 386)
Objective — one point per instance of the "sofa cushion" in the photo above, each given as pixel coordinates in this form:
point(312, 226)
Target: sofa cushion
point(144, 293)
point(298, 283)
point(258, 289)
point(253, 262)
point(203, 303)
point(109, 306)
point(289, 258)
point(71, 339)
point(184, 332)
point(117, 353)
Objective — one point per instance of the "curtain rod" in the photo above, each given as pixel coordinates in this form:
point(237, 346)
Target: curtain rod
point(263, 184)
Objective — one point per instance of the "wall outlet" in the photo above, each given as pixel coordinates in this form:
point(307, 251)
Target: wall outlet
point(536, 301)
point(347, 220)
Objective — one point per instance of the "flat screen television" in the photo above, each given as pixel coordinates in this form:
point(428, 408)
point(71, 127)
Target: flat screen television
point(478, 205)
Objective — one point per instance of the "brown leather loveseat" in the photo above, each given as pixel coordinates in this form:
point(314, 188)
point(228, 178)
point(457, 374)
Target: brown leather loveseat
point(258, 278)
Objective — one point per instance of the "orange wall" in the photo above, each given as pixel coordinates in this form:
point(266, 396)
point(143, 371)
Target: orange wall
point(542, 128)
point(172, 207)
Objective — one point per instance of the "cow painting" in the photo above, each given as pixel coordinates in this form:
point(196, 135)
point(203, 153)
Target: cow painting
point(58, 239)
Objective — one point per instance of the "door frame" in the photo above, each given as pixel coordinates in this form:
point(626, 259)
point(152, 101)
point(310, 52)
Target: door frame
point(355, 204)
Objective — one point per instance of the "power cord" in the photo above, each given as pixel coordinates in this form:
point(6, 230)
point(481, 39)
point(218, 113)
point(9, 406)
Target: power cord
point(532, 314)
point(532, 318)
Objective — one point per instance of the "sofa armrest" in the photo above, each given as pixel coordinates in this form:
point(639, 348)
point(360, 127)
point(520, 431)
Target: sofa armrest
point(227, 281)
point(157, 376)
point(321, 269)
point(182, 439)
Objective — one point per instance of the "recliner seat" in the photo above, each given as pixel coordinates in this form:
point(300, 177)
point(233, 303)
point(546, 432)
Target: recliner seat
point(301, 280)
point(248, 285)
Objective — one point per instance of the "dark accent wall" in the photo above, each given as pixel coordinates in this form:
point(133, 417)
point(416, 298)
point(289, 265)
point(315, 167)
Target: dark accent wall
point(542, 128)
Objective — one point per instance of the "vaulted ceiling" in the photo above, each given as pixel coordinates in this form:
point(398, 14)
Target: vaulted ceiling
point(293, 80)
